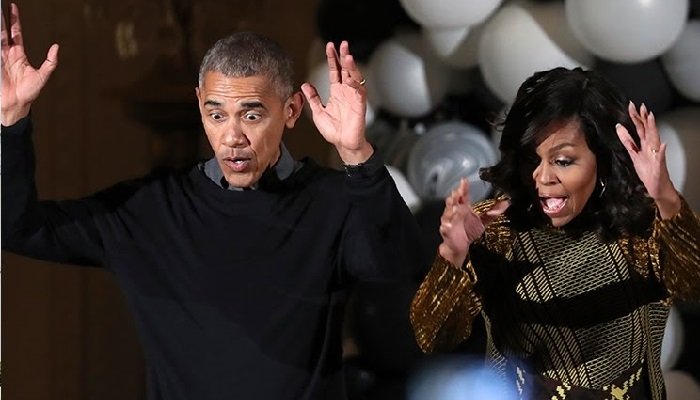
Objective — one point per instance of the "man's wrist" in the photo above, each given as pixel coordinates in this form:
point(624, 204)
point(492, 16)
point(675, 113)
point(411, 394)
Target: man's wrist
point(357, 156)
point(12, 115)
point(368, 167)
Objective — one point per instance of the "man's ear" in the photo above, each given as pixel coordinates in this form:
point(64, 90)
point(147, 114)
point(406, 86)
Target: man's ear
point(294, 107)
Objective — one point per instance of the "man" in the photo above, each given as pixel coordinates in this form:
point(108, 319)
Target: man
point(235, 270)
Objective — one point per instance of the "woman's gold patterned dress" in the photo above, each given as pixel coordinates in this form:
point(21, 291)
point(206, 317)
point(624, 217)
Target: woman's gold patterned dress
point(565, 317)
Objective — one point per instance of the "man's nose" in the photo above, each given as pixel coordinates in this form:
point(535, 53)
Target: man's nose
point(234, 137)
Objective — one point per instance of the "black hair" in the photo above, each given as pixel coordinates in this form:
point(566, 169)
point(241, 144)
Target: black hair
point(557, 96)
point(245, 54)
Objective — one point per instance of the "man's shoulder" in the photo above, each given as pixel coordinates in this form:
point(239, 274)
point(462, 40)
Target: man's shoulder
point(310, 171)
point(157, 180)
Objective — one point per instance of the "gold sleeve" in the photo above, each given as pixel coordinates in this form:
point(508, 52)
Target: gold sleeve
point(677, 261)
point(446, 303)
point(443, 309)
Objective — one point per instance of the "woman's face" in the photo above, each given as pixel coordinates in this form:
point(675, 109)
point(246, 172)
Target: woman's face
point(566, 173)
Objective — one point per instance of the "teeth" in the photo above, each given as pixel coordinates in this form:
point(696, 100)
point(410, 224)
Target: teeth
point(553, 204)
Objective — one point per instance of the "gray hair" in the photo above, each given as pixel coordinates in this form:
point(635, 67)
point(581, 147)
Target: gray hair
point(245, 54)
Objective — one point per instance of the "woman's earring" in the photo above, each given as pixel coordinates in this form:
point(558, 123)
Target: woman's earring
point(602, 188)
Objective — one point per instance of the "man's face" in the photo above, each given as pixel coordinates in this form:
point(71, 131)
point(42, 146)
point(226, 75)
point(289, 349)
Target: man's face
point(244, 119)
point(566, 175)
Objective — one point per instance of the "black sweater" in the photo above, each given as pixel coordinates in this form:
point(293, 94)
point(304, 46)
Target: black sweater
point(235, 294)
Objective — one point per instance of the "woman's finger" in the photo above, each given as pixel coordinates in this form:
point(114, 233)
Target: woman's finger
point(652, 133)
point(636, 120)
point(626, 139)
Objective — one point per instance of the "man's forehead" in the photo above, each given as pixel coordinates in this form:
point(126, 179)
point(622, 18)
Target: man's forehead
point(215, 78)
point(219, 88)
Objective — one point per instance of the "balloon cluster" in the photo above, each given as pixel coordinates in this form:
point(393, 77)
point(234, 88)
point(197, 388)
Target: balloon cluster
point(439, 70)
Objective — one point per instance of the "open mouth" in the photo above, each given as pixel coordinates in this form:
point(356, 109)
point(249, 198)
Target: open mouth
point(237, 164)
point(552, 205)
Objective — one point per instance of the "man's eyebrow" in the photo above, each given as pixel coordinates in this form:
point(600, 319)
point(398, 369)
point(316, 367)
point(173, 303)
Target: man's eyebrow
point(213, 103)
point(252, 104)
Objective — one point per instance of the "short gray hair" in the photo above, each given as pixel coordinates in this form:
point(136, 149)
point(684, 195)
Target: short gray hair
point(245, 54)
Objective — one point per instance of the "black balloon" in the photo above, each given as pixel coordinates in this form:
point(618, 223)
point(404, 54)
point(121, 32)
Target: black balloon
point(644, 82)
point(364, 23)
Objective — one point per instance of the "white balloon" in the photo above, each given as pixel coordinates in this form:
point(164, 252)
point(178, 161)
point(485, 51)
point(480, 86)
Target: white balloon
point(410, 81)
point(446, 153)
point(676, 161)
point(318, 77)
point(672, 343)
point(456, 47)
point(405, 190)
point(682, 61)
point(681, 385)
point(685, 123)
point(627, 31)
point(449, 12)
point(514, 45)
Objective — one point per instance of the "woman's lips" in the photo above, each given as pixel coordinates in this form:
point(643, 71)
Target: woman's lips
point(552, 205)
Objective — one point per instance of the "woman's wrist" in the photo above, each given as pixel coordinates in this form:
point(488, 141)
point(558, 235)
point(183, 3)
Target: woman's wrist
point(455, 258)
point(668, 202)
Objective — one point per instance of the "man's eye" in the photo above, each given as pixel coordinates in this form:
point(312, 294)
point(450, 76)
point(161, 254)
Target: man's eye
point(216, 116)
point(251, 116)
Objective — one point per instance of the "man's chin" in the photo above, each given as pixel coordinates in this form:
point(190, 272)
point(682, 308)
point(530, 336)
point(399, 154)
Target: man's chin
point(241, 182)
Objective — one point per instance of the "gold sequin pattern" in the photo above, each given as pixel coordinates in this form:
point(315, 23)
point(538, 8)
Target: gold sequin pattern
point(444, 307)
point(678, 254)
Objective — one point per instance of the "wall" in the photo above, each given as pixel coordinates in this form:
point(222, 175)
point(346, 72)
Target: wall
point(66, 331)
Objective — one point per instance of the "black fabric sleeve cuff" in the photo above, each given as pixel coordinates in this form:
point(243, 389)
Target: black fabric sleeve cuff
point(366, 169)
point(20, 126)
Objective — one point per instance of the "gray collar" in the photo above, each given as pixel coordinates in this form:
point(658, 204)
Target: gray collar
point(286, 165)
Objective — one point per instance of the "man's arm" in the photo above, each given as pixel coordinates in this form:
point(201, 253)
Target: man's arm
point(21, 83)
point(55, 231)
point(65, 231)
point(381, 238)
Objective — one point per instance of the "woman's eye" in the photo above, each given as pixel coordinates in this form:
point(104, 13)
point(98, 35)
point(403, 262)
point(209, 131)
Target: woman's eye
point(563, 162)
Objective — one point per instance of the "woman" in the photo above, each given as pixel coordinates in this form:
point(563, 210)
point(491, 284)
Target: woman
point(576, 262)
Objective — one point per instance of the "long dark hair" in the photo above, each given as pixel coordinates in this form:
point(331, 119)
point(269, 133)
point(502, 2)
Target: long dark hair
point(561, 95)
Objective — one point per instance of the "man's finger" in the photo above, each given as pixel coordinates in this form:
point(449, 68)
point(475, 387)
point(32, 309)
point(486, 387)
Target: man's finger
point(15, 27)
point(312, 97)
point(334, 68)
point(351, 73)
point(50, 63)
point(3, 34)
